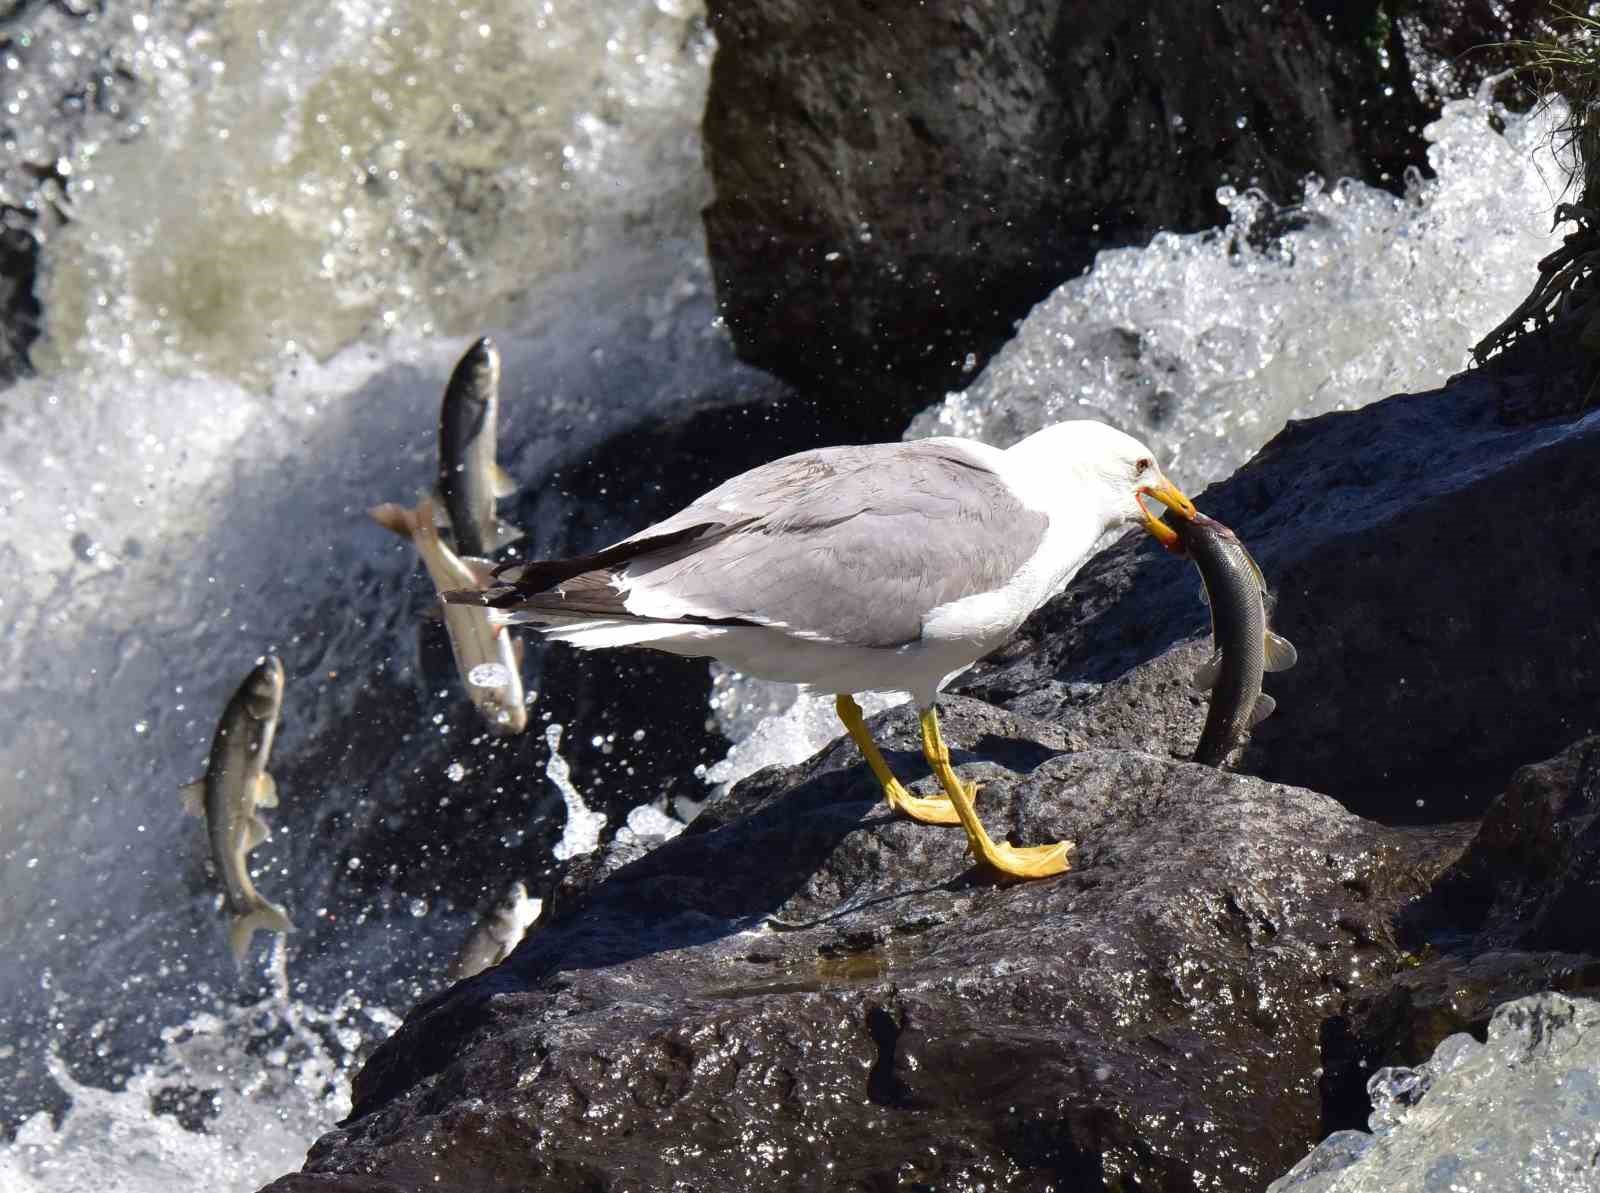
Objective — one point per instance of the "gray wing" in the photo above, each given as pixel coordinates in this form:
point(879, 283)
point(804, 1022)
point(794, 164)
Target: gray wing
point(853, 545)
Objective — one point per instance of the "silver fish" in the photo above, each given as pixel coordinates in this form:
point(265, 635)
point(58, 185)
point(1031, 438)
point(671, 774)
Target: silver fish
point(236, 783)
point(487, 657)
point(501, 930)
point(1243, 647)
point(469, 478)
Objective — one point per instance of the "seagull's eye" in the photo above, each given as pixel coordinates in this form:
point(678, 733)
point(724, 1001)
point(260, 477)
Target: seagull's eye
point(1143, 466)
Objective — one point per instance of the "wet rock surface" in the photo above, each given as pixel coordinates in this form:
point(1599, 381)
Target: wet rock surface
point(1519, 1110)
point(896, 186)
point(803, 991)
point(1423, 555)
point(1512, 916)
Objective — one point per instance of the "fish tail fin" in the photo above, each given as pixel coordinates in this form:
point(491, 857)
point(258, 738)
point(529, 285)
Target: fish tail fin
point(264, 917)
point(396, 518)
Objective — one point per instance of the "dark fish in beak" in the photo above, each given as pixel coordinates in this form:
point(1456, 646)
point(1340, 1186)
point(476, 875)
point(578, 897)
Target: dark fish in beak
point(1243, 647)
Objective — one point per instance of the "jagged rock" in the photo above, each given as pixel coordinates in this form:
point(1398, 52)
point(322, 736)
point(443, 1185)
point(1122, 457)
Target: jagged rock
point(896, 186)
point(804, 991)
point(1514, 915)
point(1519, 1111)
point(1431, 567)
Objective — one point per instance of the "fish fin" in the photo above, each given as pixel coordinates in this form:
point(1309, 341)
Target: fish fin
point(255, 832)
point(504, 483)
point(441, 516)
point(266, 791)
point(1263, 708)
point(194, 797)
point(482, 570)
point(1205, 675)
point(268, 917)
point(395, 517)
point(505, 534)
point(1281, 654)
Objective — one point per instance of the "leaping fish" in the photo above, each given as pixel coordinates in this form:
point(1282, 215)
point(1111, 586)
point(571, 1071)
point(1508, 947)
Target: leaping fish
point(501, 930)
point(1243, 648)
point(486, 655)
point(236, 783)
point(469, 478)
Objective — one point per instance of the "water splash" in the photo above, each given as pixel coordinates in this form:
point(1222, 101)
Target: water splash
point(234, 1095)
point(775, 724)
point(1203, 345)
point(581, 834)
point(354, 167)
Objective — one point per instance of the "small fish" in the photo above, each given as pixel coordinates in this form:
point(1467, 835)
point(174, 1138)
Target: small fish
point(1243, 647)
point(469, 478)
point(500, 931)
point(236, 783)
point(487, 656)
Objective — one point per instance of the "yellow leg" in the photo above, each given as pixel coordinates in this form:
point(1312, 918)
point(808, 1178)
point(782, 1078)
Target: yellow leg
point(1034, 861)
point(937, 810)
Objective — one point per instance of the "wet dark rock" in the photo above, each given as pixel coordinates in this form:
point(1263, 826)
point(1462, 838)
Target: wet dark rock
point(896, 186)
point(805, 992)
point(1427, 567)
point(1512, 916)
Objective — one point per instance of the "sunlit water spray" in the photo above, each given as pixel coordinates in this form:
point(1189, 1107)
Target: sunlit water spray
point(581, 833)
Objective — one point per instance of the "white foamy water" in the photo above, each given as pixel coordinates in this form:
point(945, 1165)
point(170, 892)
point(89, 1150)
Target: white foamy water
point(311, 174)
point(252, 311)
point(1204, 345)
point(228, 1102)
point(775, 724)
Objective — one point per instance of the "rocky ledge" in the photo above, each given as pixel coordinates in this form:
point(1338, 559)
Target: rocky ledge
point(805, 992)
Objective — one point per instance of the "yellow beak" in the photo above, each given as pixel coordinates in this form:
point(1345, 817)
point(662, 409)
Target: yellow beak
point(1169, 495)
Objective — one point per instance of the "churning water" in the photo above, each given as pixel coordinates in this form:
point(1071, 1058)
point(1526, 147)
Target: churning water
point(252, 310)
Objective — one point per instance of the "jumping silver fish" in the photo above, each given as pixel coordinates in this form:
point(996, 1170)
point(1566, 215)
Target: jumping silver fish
point(469, 478)
point(486, 654)
point(1243, 647)
point(236, 783)
point(501, 930)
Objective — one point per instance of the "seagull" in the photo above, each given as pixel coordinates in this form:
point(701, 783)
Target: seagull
point(885, 567)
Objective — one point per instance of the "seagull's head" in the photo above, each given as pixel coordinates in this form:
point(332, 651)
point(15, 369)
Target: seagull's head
point(1124, 470)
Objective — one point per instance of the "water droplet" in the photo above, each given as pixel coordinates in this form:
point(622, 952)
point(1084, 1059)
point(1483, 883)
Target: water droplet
point(489, 675)
point(455, 772)
point(141, 726)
